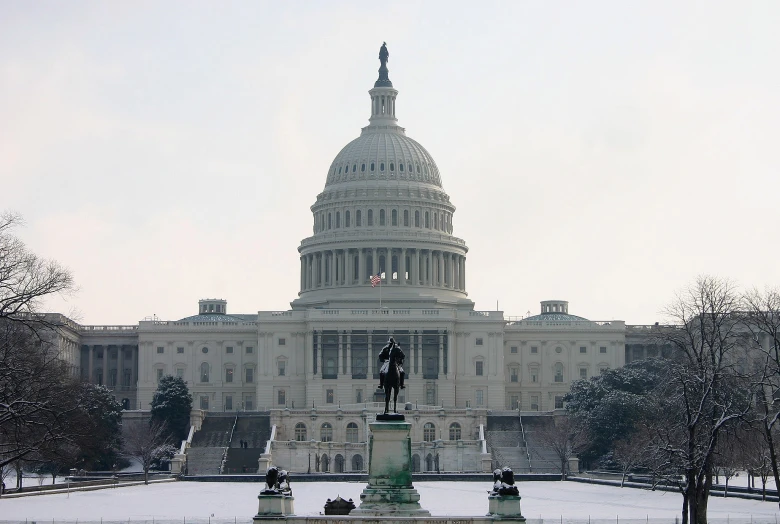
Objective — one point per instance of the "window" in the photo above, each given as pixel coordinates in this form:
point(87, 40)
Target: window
point(394, 215)
point(159, 374)
point(534, 402)
point(248, 403)
point(352, 432)
point(160, 349)
point(534, 374)
point(204, 402)
point(362, 168)
point(583, 373)
point(358, 396)
point(229, 349)
point(281, 367)
point(229, 375)
point(204, 372)
point(338, 219)
point(429, 432)
point(583, 349)
point(300, 432)
point(416, 219)
point(513, 375)
point(249, 375)
point(603, 367)
point(249, 350)
point(357, 463)
point(602, 349)
point(454, 431)
point(381, 217)
point(330, 222)
point(281, 397)
point(179, 373)
point(513, 349)
point(534, 349)
point(392, 166)
point(282, 341)
point(558, 402)
point(228, 403)
point(479, 341)
point(346, 218)
point(558, 349)
point(401, 168)
point(372, 166)
point(478, 369)
point(558, 372)
point(329, 396)
point(204, 350)
point(406, 217)
point(478, 397)
point(326, 432)
point(358, 218)
point(427, 221)
point(370, 217)
point(381, 166)
point(180, 350)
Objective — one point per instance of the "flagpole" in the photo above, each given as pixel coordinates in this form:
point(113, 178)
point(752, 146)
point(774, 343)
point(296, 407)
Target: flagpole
point(380, 292)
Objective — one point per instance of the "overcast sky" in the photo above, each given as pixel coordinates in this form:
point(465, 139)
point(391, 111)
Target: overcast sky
point(604, 153)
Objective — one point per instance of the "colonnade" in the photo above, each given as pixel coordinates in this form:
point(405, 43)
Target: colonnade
point(122, 364)
point(400, 266)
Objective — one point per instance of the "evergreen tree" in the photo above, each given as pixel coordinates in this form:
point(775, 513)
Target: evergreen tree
point(171, 405)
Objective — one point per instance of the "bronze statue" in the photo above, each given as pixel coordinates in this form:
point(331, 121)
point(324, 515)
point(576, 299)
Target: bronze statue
point(504, 482)
point(384, 57)
point(391, 375)
point(384, 54)
point(277, 482)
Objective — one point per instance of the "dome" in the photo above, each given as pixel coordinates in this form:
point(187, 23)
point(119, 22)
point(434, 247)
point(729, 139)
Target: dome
point(555, 311)
point(384, 154)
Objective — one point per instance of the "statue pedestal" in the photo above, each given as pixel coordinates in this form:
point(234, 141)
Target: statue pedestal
point(505, 507)
point(274, 507)
point(390, 492)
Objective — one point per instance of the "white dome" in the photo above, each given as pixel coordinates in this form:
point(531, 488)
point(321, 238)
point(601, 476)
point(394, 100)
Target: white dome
point(384, 154)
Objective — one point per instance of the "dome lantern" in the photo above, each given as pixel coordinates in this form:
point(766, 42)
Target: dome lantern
point(383, 95)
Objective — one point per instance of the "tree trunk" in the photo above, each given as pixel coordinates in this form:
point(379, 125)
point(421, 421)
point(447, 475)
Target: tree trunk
point(623, 480)
point(770, 443)
point(726, 489)
point(146, 475)
point(685, 506)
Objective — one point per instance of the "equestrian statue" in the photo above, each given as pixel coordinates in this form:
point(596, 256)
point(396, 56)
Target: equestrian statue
point(391, 374)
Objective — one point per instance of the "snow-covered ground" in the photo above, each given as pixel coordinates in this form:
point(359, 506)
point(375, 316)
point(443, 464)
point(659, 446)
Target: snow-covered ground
point(199, 500)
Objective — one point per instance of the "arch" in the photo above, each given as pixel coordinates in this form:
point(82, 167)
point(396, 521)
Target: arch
point(381, 166)
point(429, 462)
point(435, 221)
point(300, 432)
point(392, 167)
point(338, 219)
point(352, 432)
point(415, 463)
point(401, 168)
point(370, 217)
point(394, 217)
point(330, 222)
point(346, 218)
point(358, 218)
point(427, 221)
point(357, 463)
point(326, 432)
point(455, 433)
point(324, 463)
point(416, 219)
point(381, 217)
point(338, 463)
point(204, 372)
point(354, 168)
point(372, 167)
point(429, 432)
point(406, 217)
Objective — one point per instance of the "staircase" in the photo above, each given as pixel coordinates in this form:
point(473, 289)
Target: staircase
point(204, 456)
point(255, 430)
point(513, 443)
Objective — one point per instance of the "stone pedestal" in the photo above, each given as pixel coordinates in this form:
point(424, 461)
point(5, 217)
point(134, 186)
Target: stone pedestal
point(264, 462)
point(505, 507)
point(390, 492)
point(177, 463)
point(274, 507)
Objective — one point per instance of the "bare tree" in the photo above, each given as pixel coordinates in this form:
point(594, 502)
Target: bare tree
point(564, 438)
point(147, 443)
point(707, 390)
point(630, 453)
point(762, 319)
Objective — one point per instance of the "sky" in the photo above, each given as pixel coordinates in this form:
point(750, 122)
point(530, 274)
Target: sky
point(604, 153)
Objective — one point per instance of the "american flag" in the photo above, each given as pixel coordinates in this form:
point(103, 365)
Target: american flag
point(375, 280)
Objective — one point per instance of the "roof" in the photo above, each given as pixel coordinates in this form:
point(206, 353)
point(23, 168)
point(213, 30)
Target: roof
point(212, 317)
point(555, 317)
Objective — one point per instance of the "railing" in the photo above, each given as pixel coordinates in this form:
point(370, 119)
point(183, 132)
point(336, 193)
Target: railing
point(322, 238)
point(483, 442)
point(525, 442)
point(225, 452)
point(270, 440)
point(111, 329)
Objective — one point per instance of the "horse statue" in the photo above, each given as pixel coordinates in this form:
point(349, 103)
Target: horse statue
point(392, 373)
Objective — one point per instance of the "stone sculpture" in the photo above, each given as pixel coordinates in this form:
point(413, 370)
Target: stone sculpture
point(392, 374)
point(504, 482)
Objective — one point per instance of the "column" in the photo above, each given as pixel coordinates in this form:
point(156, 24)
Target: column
point(419, 355)
point(371, 365)
point(402, 267)
point(455, 271)
point(340, 358)
point(332, 268)
point(440, 276)
point(303, 273)
point(320, 355)
point(322, 268)
point(120, 367)
point(361, 266)
point(441, 354)
point(349, 354)
point(347, 267)
point(389, 266)
point(374, 262)
point(91, 364)
point(105, 365)
point(463, 273)
point(414, 270)
point(310, 271)
point(308, 348)
point(134, 369)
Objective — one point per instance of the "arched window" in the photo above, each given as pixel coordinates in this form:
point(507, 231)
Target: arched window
point(410, 168)
point(357, 463)
point(204, 372)
point(346, 218)
point(392, 167)
point(401, 168)
point(329, 221)
point(558, 372)
point(381, 166)
point(354, 168)
point(415, 463)
point(324, 463)
point(362, 168)
point(338, 219)
point(416, 219)
point(339, 170)
point(381, 217)
point(358, 218)
point(406, 217)
point(326, 432)
point(454, 431)
point(435, 221)
point(300, 432)
point(370, 217)
point(352, 432)
point(427, 221)
point(418, 169)
point(429, 462)
point(372, 167)
point(394, 217)
point(338, 464)
point(429, 432)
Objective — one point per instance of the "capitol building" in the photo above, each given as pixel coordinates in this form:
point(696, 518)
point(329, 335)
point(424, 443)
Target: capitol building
point(383, 211)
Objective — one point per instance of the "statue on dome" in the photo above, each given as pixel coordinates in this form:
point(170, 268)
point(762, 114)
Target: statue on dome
point(384, 57)
point(384, 54)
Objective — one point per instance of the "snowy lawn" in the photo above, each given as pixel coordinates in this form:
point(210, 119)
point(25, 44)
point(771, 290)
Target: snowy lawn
point(548, 500)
